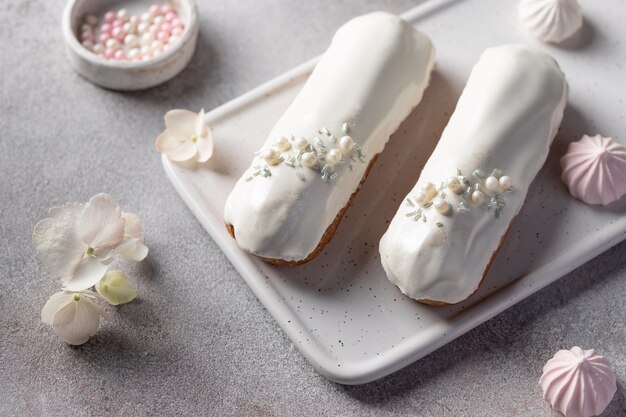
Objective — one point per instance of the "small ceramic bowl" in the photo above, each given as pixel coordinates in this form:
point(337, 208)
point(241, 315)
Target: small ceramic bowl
point(123, 75)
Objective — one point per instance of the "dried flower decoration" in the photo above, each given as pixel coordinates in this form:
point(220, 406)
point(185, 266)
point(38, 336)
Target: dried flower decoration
point(77, 244)
point(186, 137)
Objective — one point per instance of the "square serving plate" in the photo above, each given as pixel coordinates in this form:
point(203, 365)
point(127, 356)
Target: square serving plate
point(346, 318)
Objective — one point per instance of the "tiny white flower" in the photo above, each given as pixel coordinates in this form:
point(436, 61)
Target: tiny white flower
point(74, 316)
point(115, 289)
point(76, 242)
point(186, 136)
point(132, 247)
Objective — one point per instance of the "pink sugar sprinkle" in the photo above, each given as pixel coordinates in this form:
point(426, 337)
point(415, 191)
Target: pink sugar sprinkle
point(109, 17)
point(109, 53)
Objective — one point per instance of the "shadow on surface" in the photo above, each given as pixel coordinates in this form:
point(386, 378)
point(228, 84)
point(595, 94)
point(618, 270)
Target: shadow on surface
point(497, 336)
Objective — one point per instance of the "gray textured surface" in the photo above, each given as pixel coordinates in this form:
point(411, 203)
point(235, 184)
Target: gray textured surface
point(197, 341)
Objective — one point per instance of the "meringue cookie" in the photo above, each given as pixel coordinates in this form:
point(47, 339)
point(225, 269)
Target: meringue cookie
point(551, 20)
point(594, 169)
point(578, 383)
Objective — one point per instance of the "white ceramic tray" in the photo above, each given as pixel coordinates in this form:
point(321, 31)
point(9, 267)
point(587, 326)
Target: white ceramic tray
point(352, 324)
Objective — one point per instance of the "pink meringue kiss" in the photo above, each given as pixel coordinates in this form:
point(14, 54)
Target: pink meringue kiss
point(578, 383)
point(594, 169)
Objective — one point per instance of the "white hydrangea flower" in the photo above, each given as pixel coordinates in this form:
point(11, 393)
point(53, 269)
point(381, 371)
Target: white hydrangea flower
point(74, 316)
point(115, 288)
point(132, 247)
point(76, 242)
point(186, 136)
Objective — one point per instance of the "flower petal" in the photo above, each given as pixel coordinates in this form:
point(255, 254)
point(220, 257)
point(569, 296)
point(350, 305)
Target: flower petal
point(205, 146)
point(133, 250)
point(181, 123)
point(201, 126)
point(132, 228)
point(54, 304)
point(57, 242)
point(115, 288)
point(77, 321)
point(177, 149)
point(86, 275)
point(100, 225)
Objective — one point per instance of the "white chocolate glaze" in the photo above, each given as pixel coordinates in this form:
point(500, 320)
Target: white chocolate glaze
point(506, 118)
point(373, 74)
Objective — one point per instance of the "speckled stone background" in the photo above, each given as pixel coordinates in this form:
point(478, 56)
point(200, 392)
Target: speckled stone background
point(197, 342)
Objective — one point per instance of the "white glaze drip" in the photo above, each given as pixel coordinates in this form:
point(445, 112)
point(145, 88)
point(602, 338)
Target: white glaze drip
point(506, 117)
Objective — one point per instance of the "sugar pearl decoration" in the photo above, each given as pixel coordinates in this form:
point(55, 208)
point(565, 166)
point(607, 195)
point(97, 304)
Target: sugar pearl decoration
point(109, 17)
point(441, 205)
point(505, 182)
point(478, 198)
point(121, 31)
point(420, 198)
point(429, 189)
point(301, 143)
point(309, 160)
point(112, 44)
point(131, 40)
point(346, 144)
point(492, 184)
point(333, 157)
point(123, 15)
point(455, 185)
point(271, 156)
point(282, 144)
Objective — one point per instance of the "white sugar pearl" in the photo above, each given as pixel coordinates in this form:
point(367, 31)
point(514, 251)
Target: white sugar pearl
point(147, 39)
point(142, 28)
point(333, 157)
point(112, 44)
point(123, 15)
point(420, 198)
point(271, 156)
point(345, 144)
point(478, 197)
point(91, 20)
point(301, 143)
point(146, 18)
point(86, 28)
point(158, 20)
point(309, 160)
point(172, 39)
point(429, 189)
point(98, 48)
point(455, 185)
point(131, 40)
point(133, 53)
point(145, 50)
point(88, 45)
point(129, 27)
point(282, 144)
point(505, 182)
point(157, 44)
point(491, 184)
point(441, 205)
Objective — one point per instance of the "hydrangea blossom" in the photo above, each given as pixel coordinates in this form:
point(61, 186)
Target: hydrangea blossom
point(186, 136)
point(77, 244)
point(74, 316)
